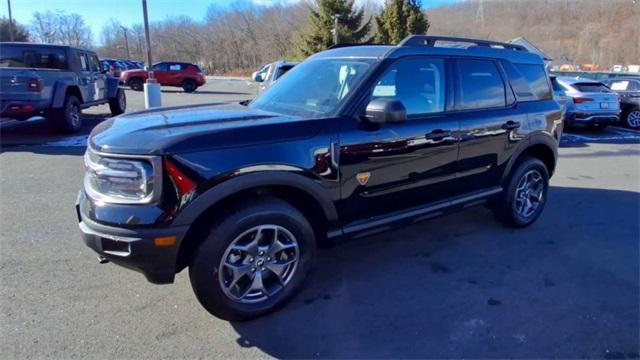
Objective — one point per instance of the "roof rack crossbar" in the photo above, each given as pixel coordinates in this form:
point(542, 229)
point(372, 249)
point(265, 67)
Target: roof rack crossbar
point(430, 41)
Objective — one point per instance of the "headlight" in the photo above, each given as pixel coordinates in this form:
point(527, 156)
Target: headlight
point(121, 180)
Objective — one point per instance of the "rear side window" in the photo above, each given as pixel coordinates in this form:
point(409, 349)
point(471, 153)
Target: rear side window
point(175, 67)
point(537, 79)
point(481, 85)
point(591, 87)
point(556, 85)
point(32, 57)
point(83, 61)
point(518, 82)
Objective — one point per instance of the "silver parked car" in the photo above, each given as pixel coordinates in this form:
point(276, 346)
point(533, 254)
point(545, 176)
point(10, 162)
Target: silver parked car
point(270, 73)
point(588, 102)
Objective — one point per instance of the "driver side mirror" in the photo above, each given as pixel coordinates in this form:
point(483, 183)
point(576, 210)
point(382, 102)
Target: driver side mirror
point(386, 111)
point(257, 76)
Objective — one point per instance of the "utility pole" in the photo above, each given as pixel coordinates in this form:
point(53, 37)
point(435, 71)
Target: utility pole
point(336, 37)
point(126, 41)
point(151, 87)
point(10, 21)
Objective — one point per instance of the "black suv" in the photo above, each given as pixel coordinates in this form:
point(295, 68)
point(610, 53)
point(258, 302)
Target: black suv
point(351, 141)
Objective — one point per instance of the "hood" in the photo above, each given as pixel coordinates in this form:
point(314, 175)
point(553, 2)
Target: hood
point(196, 128)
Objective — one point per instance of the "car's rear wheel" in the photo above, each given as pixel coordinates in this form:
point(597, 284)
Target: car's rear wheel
point(632, 119)
point(118, 104)
point(189, 85)
point(525, 194)
point(69, 116)
point(253, 260)
point(136, 84)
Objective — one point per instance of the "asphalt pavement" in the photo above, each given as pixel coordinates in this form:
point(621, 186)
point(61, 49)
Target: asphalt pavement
point(455, 286)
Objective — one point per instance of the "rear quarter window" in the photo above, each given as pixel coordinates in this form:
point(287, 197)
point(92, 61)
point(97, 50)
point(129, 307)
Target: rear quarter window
point(536, 77)
point(32, 57)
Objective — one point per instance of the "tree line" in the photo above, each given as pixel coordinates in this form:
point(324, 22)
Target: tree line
point(245, 36)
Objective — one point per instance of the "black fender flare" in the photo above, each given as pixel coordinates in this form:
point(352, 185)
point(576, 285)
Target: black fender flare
point(253, 180)
point(60, 92)
point(535, 139)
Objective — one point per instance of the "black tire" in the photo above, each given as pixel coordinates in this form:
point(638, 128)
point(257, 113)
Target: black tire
point(632, 119)
point(69, 116)
point(506, 208)
point(207, 272)
point(189, 85)
point(118, 104)
point(136, 84)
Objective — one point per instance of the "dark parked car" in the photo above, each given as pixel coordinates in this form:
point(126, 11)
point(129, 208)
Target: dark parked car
point(352, 141)
point(54, 81)
point(187, 76)
point(629, 91)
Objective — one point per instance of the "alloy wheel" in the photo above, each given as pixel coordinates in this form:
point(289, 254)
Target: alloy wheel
point(258, 264)
point(529, 194)
point(633, 119)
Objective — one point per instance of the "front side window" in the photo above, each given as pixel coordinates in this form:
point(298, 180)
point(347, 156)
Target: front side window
point(95, 64)
point(481, 85)
point(160, 67)
point(315, 88)
point(418, 83)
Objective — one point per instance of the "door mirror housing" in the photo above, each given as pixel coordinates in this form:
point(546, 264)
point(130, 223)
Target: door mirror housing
point(257, 76)
point(386, 111)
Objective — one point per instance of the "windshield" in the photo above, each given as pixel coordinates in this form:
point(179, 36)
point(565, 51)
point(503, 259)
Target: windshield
point(314, 88)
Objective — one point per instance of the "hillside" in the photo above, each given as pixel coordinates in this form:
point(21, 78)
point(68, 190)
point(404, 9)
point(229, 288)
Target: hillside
point(604, 32)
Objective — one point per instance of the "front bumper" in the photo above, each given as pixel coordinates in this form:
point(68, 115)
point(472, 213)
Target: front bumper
point(133, 248)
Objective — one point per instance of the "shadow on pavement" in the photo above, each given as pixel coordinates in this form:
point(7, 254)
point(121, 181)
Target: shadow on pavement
point(463, 286)
point(581, 137)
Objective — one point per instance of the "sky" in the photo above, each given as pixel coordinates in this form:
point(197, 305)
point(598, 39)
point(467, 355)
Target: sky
point(97, 13)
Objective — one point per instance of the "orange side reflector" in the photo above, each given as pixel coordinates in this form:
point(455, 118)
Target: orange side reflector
point(164, 241)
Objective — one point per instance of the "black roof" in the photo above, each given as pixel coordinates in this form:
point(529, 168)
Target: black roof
point(40, 45)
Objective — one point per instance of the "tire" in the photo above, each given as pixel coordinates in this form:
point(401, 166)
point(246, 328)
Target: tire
point(118, 104)
point(632, 119)
point(508, 207)
point(209, 276)
point(69, 116)
point(136, 84)
point(189, 85)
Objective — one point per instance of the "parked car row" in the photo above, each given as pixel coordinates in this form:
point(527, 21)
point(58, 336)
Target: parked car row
point(115, 66)
point(592, 103)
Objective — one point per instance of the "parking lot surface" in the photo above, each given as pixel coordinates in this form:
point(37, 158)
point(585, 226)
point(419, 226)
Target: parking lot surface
point(455, 286)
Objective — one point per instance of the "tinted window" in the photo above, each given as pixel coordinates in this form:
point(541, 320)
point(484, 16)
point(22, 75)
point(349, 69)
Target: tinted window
point(591, 87)
point(518, 82)
point(480, 85)
point(418, 83)
point(43, 58)
point(556, 86)
point(160, 67)
point(537, 78)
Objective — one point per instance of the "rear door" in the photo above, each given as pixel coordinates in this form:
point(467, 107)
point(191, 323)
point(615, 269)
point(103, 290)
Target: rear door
point(489, 123)
point(175, 74)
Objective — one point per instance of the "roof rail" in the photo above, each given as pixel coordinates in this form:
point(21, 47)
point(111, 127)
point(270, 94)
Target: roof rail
point(430, 41)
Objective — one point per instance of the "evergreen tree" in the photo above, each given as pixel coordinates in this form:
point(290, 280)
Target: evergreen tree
point(398, 19)
point(319, 35)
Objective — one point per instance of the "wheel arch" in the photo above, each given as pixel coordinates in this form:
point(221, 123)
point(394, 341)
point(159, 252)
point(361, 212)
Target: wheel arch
point(299, 191)
point(542, 148)
point(60, 92)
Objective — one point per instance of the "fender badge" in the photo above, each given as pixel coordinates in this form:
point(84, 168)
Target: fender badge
point(363, 178)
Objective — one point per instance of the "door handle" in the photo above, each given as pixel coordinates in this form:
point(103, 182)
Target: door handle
point(510, 125)
point(438, 135)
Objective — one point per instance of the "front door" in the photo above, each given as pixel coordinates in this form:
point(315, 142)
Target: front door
point(160, 73)
point(396, 166)
point(87, 79)
point(99, 77)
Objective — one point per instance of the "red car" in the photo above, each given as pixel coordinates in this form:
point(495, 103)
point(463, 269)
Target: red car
point(184, 75)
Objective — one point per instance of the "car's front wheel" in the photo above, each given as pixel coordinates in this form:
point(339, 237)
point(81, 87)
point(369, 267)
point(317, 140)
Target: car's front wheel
point(136, 84)
point(525, 194)
point(253, 260)
point(632, 119)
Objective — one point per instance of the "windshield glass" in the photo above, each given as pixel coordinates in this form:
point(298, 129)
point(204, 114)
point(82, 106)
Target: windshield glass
point(314, 88)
